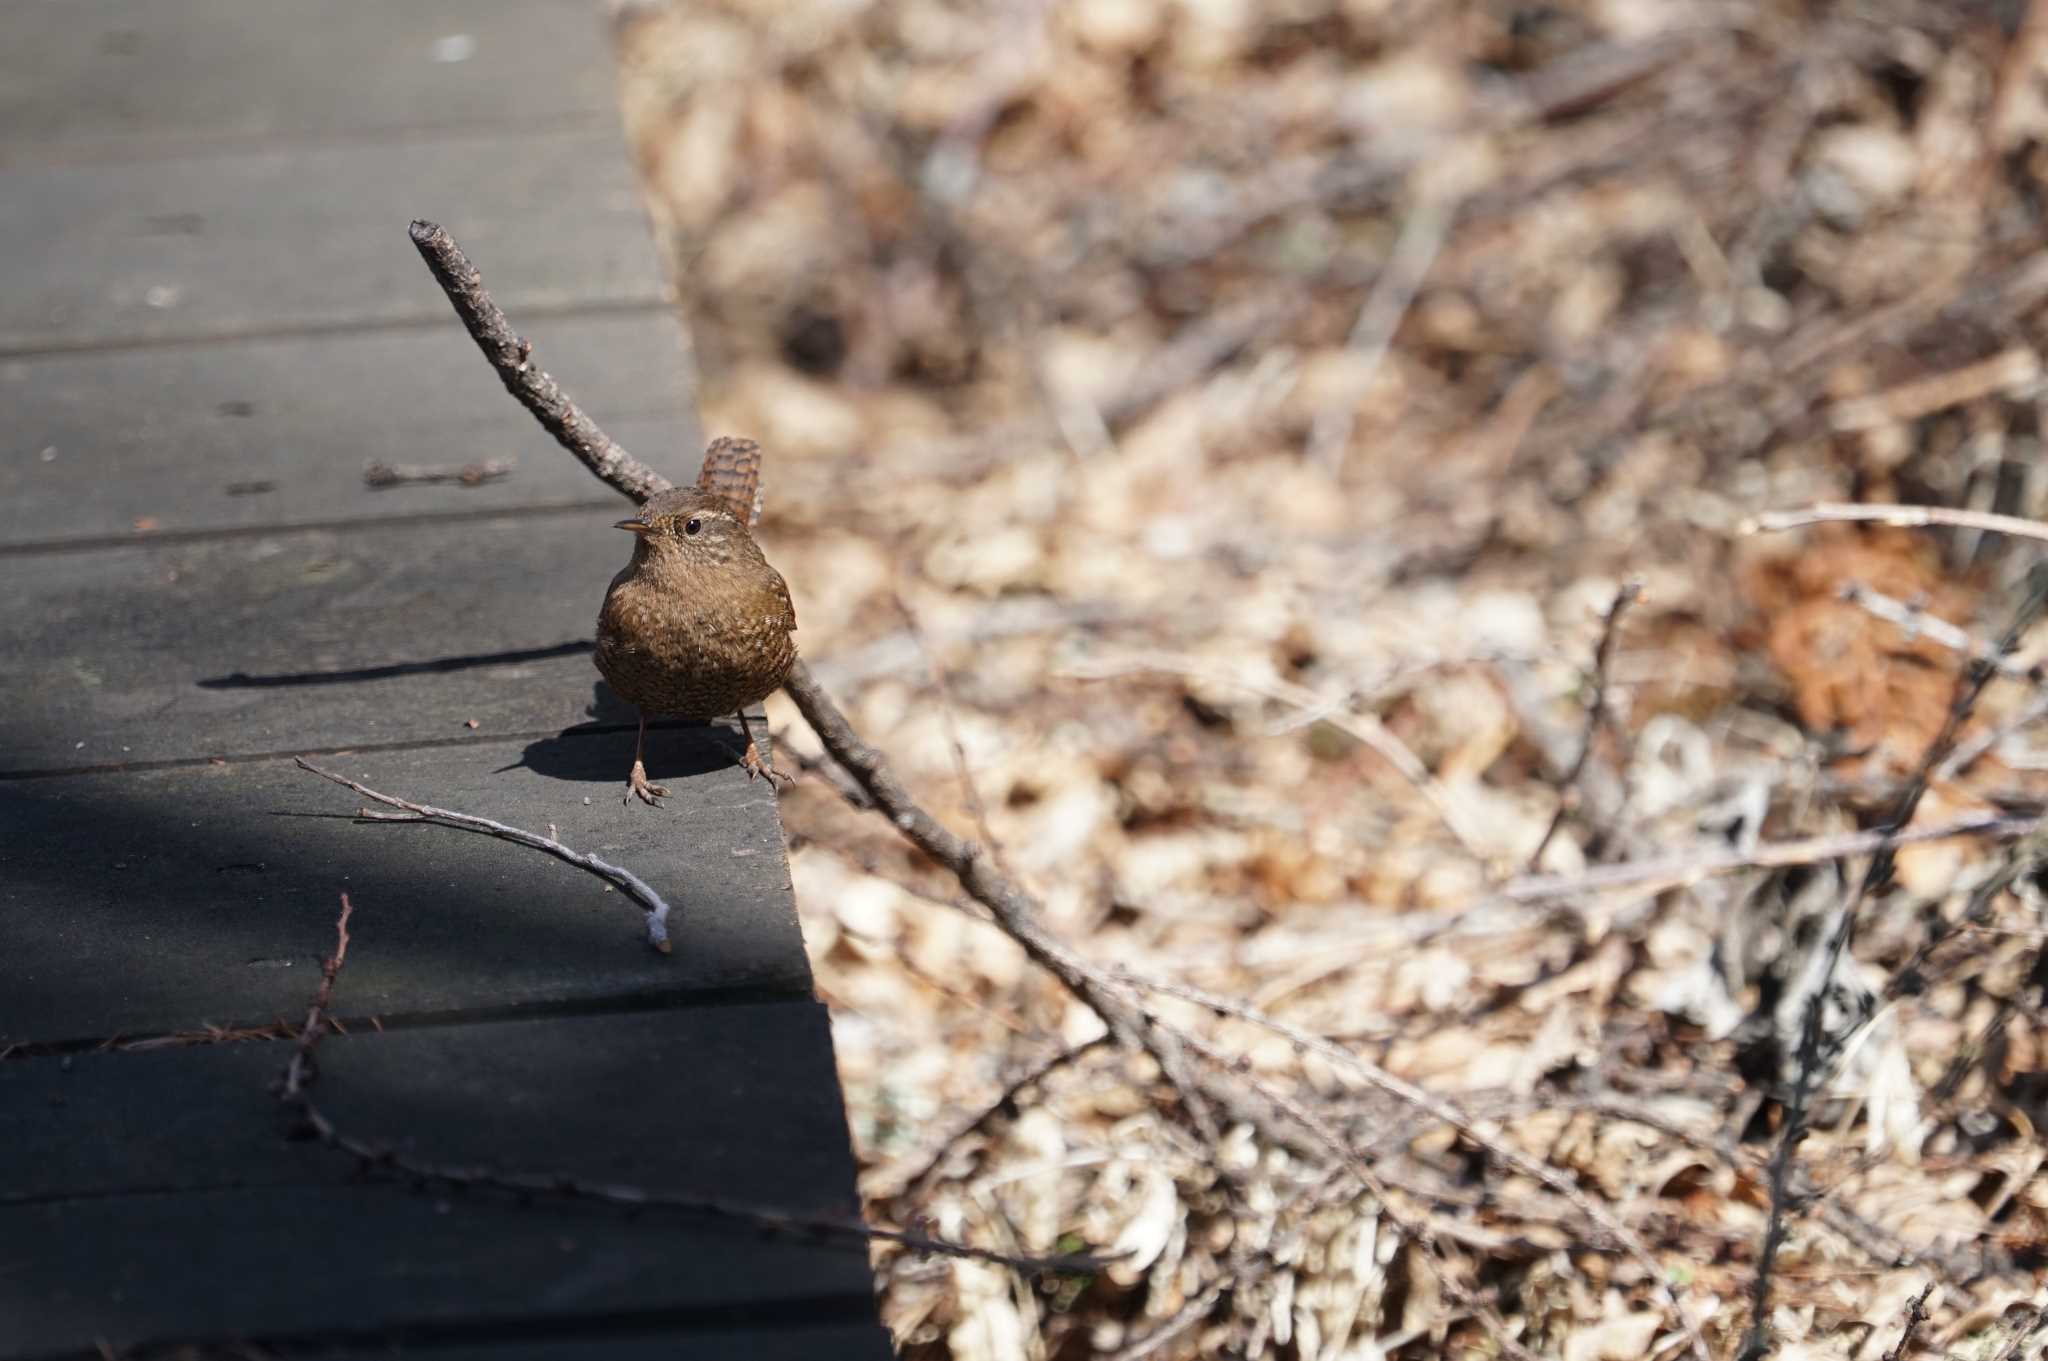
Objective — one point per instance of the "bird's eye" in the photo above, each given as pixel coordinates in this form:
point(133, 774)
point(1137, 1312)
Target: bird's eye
point(693, 525)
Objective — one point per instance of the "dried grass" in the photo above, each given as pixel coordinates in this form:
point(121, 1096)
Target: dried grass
point(1251, 403)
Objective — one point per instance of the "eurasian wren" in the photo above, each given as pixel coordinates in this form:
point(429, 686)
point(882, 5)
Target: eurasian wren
point(697, 624)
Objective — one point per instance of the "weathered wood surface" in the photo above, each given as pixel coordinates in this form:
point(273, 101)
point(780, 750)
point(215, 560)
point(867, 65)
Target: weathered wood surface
point(276, 242)
point(258, 434)
point(183, 1146)
point(146, 902)
point(306, 640)
point(138, 77)
point(211, 319)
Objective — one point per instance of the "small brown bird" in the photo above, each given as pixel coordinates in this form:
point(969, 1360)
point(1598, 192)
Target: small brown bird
point(698, 624)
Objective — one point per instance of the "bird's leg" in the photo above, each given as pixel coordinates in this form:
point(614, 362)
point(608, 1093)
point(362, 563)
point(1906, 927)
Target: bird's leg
point(636, 783)
point(751, 761)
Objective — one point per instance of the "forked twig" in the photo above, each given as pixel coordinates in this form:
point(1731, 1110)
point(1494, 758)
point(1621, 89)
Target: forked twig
point(627, 882)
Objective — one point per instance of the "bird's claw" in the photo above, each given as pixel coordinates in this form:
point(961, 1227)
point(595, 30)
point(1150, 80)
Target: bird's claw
point(751, 762)
point(638, 786)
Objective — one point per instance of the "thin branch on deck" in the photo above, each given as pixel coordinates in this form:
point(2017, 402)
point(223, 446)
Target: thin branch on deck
point(627, 882)
point(384, 475)
point(375, 1157)
point(299, 1073)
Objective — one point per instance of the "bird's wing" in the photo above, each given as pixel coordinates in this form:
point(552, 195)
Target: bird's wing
point(788, 605)
point(732, 473)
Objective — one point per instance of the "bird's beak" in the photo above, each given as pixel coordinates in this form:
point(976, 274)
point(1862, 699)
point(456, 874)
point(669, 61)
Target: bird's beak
point(634, 527)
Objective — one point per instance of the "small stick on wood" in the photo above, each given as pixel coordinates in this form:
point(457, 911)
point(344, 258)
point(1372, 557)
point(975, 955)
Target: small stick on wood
point(819, 1228)
point(512, 357)
point(1596, 713)
point(629, 883)
point(299, 1073)
point(383, 475)
point(1902, 517)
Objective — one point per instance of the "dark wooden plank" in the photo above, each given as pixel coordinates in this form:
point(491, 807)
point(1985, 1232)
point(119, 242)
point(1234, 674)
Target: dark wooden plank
point(305, 640)
point(93, 70)
point(274, 241)
point(728, 1100)
point(793, 1340)
point(158, 901)
point(805, 1337)
point(252, 433)
point(116, 1156)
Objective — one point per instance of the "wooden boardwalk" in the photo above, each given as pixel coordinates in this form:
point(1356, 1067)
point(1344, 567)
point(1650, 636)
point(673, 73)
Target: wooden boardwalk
point(211, 319)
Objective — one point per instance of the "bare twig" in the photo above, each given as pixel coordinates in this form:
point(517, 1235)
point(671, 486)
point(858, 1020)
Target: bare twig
point(1673, 871)
point(512, 357)
point(2022, 1336)
point(1439, 1109)
point(1326, 1135)
point(1596, 713)
point(627, 882)
point(1915, 622)
point(549, 1185)
point(1916, 1314)
point(1014, 910)
point(1003, 1105)
point(299, 1072)
point(1902, 517)
point(383, 475)
point(1969, 753)
point(1876, 879)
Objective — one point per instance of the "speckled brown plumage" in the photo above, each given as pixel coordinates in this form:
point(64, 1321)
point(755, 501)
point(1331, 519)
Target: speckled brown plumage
point(698, 624)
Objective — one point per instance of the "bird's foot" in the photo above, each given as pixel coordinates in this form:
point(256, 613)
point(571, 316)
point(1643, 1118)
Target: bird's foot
point(752, 762)
point(637, 785)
